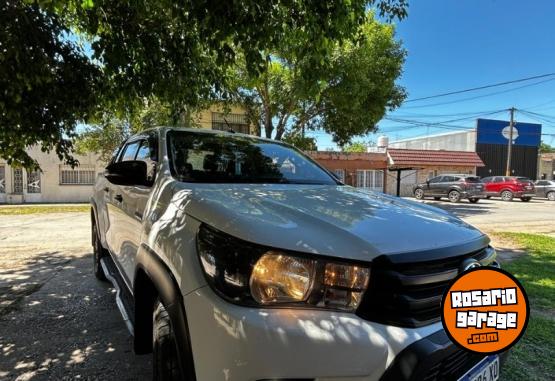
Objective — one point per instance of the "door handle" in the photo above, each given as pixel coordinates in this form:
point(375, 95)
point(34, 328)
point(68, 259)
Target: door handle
point(118, 198)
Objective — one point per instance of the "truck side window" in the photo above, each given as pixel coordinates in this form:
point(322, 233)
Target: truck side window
point(130, 151)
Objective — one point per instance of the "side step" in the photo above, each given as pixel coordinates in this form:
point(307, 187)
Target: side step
point(124, 298)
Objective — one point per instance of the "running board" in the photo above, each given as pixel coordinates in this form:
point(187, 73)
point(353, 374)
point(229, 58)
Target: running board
point(124, 298)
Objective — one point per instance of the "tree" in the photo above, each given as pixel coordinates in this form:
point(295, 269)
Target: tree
point(356, 147)
point(108, 130)
point(177, 52)
point(47, 83)
point(546, 148)
point(345, 97)
point(303, 143)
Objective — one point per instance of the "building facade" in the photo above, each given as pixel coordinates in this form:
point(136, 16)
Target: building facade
point(546, 167)
point(408, 167)
point(363, 170)
point(490, 140)
point(55, 182)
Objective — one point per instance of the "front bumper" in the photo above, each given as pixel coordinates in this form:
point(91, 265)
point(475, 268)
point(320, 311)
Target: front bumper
point(231, 342)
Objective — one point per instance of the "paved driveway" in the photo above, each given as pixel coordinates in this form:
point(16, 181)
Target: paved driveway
point(56, 321)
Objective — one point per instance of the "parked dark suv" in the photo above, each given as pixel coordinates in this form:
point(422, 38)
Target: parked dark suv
point(454, 187)
point(508, 187)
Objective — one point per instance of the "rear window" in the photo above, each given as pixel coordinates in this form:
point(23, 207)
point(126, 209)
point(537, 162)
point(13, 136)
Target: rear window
point(473, 179)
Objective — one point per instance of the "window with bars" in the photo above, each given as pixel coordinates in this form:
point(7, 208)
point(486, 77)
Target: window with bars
point(2, 179)
point(17, 183)
point(33, 181)
point(370, 178)
point(226, 122)
point(77, 176)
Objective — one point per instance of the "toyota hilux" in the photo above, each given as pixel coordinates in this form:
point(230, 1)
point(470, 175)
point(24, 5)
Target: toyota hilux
point(240, 258)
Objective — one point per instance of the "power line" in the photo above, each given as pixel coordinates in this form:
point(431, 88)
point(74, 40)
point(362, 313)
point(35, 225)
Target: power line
point(480, 96)
point(481, 87)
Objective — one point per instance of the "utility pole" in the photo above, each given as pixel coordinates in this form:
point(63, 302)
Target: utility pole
point(510, 146)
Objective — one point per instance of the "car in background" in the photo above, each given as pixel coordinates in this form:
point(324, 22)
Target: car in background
point(509, 187)
point(455, 187)
point(545, 189)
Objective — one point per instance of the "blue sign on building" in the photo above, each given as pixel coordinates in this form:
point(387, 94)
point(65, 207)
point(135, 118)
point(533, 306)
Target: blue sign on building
point(490, 131)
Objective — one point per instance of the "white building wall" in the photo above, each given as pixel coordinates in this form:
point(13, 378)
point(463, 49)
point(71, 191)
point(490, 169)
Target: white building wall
point(451, 141)
point(50, 180)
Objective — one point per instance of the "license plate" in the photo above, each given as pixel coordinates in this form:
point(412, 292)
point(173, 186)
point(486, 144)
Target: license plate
point(485, 370)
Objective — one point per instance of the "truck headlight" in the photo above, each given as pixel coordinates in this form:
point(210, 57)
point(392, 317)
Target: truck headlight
point(250, 274)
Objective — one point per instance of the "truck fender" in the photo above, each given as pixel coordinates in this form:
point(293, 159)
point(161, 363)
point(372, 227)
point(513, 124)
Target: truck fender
point(153, 280)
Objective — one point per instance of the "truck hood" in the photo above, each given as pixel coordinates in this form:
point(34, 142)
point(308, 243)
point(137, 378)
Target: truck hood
point(339, 221)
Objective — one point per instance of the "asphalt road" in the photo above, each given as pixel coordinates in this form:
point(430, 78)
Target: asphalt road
point(57, 322)
point(494, 215)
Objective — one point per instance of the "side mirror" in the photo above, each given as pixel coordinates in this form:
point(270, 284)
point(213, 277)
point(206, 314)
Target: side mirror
point(128, 173)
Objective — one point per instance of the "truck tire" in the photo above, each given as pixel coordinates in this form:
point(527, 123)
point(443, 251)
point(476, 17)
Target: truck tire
point(164, 353)
point(98, 253)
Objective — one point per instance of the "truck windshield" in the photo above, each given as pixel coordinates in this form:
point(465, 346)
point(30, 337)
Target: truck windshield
point(223, 158)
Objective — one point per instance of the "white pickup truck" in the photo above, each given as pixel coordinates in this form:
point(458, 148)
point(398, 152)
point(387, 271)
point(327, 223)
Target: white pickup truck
point(240, 258)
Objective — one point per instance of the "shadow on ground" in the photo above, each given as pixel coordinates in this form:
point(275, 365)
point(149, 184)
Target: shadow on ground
point(57, 322)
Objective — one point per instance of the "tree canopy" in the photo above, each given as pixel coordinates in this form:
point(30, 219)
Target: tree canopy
point(345, 97)
point(47, 83)
point(179, 53)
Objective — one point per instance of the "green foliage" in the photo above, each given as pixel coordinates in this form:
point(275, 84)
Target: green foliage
point(106, 133)
point(303, 143)
point(346, 96)
point(47, 82)
point(178, 52)
point(546, 148)
point(356, 147)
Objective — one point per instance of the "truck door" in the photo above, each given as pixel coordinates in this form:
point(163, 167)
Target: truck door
point(132, 210)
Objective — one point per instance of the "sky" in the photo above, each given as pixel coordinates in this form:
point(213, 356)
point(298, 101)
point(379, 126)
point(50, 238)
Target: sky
point(454, 45)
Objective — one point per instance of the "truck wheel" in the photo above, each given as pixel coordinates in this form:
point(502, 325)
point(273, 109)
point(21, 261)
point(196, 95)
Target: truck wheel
point(165, 361)
point(419, 194)
point(551, 196)
point(454, 196)
point(507, 195)
point(525, 199)
point(98, 252)
point(474, 200)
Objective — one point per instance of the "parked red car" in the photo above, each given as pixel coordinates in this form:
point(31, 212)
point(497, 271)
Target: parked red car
point(508, 187)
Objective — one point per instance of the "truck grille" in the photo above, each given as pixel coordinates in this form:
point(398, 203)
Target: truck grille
point(409, 294)
point(453, 366)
